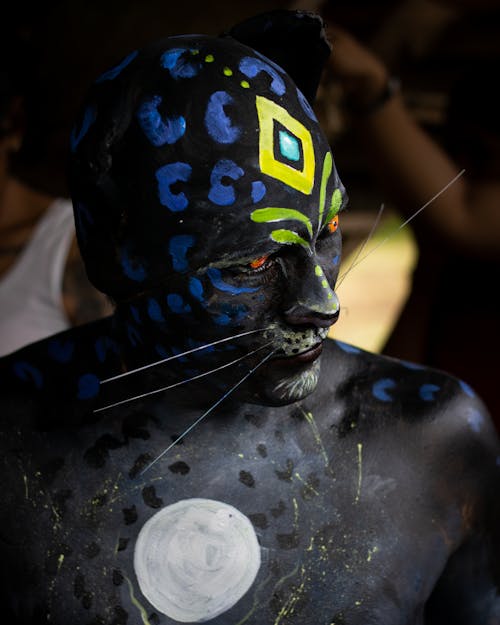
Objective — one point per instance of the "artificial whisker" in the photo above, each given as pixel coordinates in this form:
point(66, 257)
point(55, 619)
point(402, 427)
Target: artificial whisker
point(362, 246)
point(176, 356)
point(207, 412)
point(405, 223)
point(195, 377)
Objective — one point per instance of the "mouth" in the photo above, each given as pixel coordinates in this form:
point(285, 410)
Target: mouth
point(305, 357)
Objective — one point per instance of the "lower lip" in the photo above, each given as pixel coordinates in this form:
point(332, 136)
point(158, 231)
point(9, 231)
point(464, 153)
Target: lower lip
point(305, 357)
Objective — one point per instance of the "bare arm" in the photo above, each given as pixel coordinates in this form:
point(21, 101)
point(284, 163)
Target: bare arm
point(409, 165)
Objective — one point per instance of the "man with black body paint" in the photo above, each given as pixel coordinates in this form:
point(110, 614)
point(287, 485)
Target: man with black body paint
point(324, 485)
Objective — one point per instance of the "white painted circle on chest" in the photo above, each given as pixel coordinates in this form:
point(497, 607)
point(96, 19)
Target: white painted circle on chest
point(196, 558)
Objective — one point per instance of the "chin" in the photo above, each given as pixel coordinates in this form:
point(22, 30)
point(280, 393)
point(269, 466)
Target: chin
point(289, 388)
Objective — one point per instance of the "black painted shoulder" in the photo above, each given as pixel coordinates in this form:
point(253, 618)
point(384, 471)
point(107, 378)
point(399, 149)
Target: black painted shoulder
point(60, 374)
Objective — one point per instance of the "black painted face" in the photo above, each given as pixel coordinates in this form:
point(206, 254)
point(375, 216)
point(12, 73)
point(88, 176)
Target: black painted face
point(210, 206)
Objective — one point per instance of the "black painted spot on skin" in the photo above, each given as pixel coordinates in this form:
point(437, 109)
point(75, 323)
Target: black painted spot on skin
point(121, 616)
point(310, 488)
point(134, 426)
point(278, 511)
point(141, 462)
point(262, 450)
point(50, 469)
point(257, 420)
point(79, 586)
point(117, 577)
point(59, 500)
point(92, 550)
point(122, 544)
point(278, 435)
point(297, 414)
point(288, 541)
point(150, 498)
point(259, 520)
point(154, 619)
point(180, 467)
point(87, 601)
point(247, 479)
point(175, 438)
point(97, 455)
point(130, 515)
point(286, 475)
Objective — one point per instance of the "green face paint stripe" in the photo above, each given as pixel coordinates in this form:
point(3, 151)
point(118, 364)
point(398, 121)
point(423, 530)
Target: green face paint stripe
point(335, 205)
point(271, 214)
point(327, 170)
point(289, 238)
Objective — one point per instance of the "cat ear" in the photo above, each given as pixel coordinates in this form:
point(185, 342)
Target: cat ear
point(294, 40)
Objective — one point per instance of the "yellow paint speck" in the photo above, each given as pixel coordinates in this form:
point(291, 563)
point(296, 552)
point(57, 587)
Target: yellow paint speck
point(245, 84)
point(209, 58)
point(227, 71)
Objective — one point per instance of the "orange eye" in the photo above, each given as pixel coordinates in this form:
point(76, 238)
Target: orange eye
point(258, 262)
point(333, 224)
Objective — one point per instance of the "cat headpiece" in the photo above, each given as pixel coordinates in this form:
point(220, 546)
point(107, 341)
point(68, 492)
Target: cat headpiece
point(192, 146)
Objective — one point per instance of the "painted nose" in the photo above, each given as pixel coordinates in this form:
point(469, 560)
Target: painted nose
point(313, 303)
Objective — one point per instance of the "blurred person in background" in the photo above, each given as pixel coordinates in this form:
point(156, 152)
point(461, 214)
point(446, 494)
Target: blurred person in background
point(450, 320)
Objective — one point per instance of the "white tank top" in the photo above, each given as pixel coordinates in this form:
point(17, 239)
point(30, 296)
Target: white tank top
point(31, 306)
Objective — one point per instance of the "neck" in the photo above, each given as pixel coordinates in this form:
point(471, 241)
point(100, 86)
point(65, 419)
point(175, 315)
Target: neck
point(19, 203)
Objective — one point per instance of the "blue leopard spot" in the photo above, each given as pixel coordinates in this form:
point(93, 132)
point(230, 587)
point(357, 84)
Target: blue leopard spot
point(177, 304)
point(428, 392)
point(115, 71)
point(205, 349)
point(251, 67)
point(103, 345)
point(178, 247)
point(161, 351)
point(26, 372)
point(133, 335)
point(88, 386)
point(159, 131)
point(154, 311)
point(215, 278)
point(306, 106)
point(167, 175)
point(220, 193)
point(346, 347)
point(466, 389)
point(89, 118)
point(380, 388)
point(411, 365)
point(196, 289)
point(235, 313)
point(222, 320)
point(336, 260)
point(133, 269)
point(61, 350)
point(135, 314)
point(475, 420)
point(180, 64)
point(176, 351)
point(258, 191)
point(83, 219)
point(218, 124)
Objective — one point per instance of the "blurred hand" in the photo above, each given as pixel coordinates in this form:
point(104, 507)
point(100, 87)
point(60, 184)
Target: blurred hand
point(360, 73)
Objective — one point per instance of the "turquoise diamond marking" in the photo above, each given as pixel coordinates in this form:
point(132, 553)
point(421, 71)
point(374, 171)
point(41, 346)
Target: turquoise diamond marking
point(289, 146)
